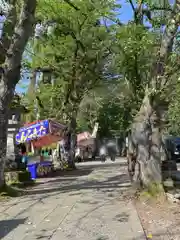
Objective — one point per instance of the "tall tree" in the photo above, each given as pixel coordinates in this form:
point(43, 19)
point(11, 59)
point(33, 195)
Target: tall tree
point(147, 127)
point(17, 29)
point(75, 53)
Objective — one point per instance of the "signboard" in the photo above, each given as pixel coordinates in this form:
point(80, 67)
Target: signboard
point(33, 131)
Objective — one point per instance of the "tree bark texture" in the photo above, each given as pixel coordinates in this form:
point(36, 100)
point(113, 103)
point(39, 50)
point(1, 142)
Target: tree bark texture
point(146, 151)
point(19, 34)
point(72, 141)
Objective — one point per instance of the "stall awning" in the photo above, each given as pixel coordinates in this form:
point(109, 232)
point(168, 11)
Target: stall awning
point(85, 139)
point(42, 132)
point(83, 136)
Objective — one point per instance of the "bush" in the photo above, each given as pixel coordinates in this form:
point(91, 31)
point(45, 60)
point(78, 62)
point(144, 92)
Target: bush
point(24, 176)
point(18, 177)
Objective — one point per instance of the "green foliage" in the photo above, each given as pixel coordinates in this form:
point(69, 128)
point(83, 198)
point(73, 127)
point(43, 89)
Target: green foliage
point(100, 71)
point(114, 117)
point(174, 111)
point(134, 57)
point(88, 110)
point(76, 53)
point(153, 191)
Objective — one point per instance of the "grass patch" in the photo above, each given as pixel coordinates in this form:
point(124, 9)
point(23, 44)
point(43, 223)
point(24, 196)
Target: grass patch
point(152, 191)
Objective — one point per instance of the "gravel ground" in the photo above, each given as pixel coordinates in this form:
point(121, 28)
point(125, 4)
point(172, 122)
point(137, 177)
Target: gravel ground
point(160, 219)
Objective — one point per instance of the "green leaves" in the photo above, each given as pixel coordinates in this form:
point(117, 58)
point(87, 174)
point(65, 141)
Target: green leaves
point(76, 51)
point(174, 112)
point(84, 54)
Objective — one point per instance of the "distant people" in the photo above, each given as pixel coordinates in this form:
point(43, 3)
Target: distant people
point(127, 142)
point(111, 149)
point(103, 153)
point(42, 156)
point(86, 153)
point(50, 152)
point(24, 158)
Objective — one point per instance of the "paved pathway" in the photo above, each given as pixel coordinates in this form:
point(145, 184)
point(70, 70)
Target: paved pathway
point(88, 204)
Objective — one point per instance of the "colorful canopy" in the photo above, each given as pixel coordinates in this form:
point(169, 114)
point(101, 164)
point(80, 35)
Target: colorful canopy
point(85, 139)
point(41, 133)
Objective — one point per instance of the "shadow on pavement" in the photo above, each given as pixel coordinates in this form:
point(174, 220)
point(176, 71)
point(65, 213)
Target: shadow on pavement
point(76, 173)
point(81, 171)
point(117, 182)
point(6, 226)
point(98, 165)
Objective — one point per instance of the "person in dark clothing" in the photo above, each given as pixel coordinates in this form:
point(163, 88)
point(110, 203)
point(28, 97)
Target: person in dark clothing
point(111, 149)
point(24, 158)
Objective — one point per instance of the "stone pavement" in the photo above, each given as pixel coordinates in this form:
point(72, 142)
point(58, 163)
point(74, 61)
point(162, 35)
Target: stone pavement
point(88, 204)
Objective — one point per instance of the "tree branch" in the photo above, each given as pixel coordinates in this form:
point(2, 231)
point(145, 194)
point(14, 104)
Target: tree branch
point(117, 21)
point(167, 44)
point(156, 8)
point(170, 31)
point(132, 5)
point(22, 32)
point(8, 29)
point(72, 5)
point(138, 15)
point(139, 9)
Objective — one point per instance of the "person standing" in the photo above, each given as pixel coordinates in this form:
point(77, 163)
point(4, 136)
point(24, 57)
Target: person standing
point(24, 158)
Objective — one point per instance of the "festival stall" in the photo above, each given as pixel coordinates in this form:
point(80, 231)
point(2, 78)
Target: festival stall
point(36, 136)
point(86, 143)
point(84, 139)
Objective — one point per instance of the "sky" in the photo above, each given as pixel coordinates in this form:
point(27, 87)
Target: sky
point(125, 14)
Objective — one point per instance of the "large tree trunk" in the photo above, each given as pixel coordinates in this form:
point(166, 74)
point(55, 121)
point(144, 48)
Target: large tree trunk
point(72, 141)
point(146, 129)
point(19, 33)
point(3, 139)
point(6, 95)
point(146, 138)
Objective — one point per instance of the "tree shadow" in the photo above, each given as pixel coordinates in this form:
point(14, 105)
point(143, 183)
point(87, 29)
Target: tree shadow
point(76, 173)
point(64, 176)
point(108, 187)
point(81, 171)
point(6, 226)
point(117, 182)
point(99, 164)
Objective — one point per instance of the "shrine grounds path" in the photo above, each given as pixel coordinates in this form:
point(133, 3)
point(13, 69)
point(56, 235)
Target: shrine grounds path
point(90, 203)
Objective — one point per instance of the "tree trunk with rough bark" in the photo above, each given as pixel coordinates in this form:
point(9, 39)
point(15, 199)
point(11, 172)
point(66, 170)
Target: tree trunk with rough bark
point(146, 138)
point(16, 32)
point(146, 132)
point(3, 142)
point(73, 141)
